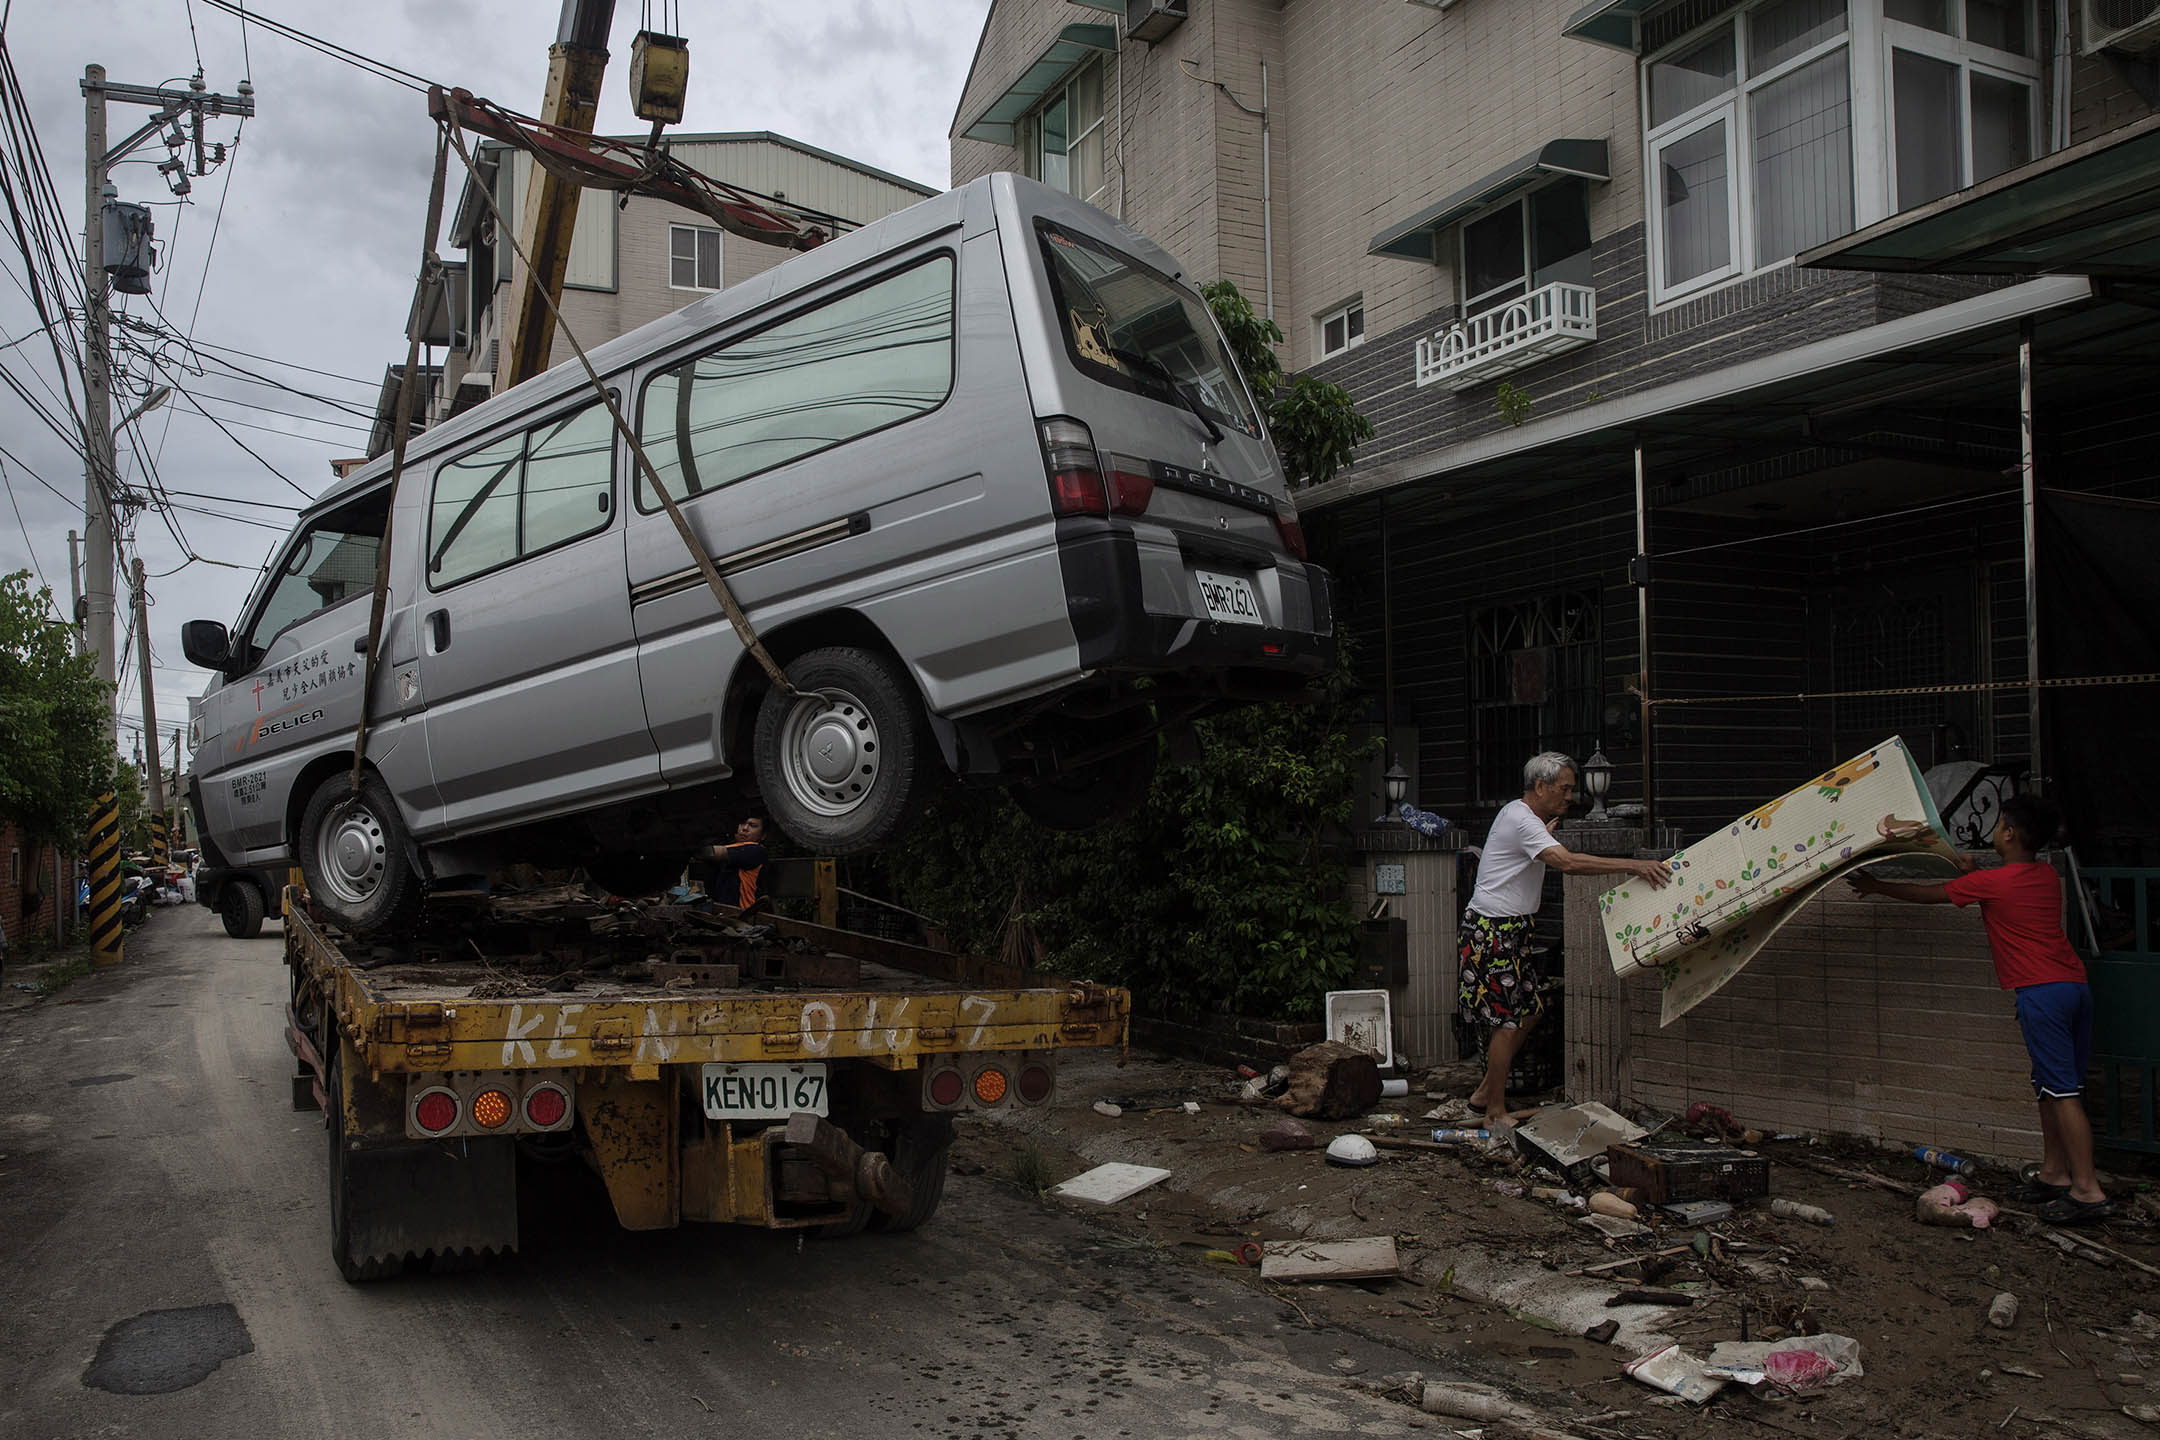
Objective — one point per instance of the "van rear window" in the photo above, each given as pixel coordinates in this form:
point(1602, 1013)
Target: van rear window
point(1130, 326)
point(855, 364)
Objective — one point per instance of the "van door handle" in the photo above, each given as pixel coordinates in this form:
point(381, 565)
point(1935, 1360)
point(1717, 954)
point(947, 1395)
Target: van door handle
point(438, 624)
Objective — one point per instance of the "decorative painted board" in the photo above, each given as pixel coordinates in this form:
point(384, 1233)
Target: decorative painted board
point(1736, 888)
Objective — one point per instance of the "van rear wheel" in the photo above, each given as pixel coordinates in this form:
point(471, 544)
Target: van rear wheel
point(844, 763)
point(240, 906)
point(355, 855)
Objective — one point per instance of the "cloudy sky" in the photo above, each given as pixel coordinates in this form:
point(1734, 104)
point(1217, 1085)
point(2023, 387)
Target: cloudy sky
point(319, 238)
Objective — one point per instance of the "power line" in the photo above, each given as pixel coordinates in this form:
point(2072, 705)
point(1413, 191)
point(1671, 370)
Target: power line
point(243, 444)
point(273, 430)
point(381, 69)
point(29, 548)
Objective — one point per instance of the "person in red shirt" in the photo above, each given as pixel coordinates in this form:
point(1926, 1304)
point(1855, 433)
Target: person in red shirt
point(2021, 905)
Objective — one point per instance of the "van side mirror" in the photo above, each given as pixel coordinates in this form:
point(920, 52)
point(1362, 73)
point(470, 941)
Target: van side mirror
point(205, 643)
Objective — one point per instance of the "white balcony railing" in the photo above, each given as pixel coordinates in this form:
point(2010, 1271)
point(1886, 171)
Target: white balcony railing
point(1548, 321)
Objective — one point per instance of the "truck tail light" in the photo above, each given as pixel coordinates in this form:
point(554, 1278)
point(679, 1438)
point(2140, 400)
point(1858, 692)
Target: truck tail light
point(945, 1088)
point(491, 1108)
point(1293, 533)
point(1130, 483)
point(1076, 479)
point(546, 1105)
point(1036, 1082)
point(991, 1085)
point(434, 1110)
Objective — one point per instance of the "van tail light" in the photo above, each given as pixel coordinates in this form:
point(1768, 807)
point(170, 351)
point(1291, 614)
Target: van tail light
point(1130, 482)
point(1293, 533)
point(1076, 480)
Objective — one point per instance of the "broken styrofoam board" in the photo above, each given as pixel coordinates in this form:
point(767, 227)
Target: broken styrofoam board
point(1570, 1135)
point(1363, 1259)
point(1571, 1304)
point(1614, 1226)
point(1108, 1184)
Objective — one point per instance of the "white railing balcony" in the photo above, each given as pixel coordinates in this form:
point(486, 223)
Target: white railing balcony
point(1548, 321)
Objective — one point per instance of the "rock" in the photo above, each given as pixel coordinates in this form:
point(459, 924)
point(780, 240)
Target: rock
point(1104, 1107)
point(1813, 1282)
point(1331, 1081)
point(2003, 1310)
point(1602, 1332)
point(1288, 1134)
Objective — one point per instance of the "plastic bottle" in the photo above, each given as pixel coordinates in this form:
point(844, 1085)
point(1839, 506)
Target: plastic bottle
point(1794, 1210)
point(1943, 1160)
point(1461, 1137)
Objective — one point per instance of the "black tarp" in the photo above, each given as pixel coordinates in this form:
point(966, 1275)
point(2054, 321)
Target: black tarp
point(2100, 616)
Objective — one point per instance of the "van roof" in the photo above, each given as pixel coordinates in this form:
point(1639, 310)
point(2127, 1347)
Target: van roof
point(1009, 193)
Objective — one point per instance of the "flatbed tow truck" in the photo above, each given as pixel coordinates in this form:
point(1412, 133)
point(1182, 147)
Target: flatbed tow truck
point(711, 1068)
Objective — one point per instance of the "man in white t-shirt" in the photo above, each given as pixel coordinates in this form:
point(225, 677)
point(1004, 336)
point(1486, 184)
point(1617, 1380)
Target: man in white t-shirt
point(1499, 979)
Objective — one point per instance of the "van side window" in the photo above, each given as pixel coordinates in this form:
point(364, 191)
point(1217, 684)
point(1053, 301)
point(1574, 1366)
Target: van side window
point(522, 494)
point(330, 561)
point(854, 364)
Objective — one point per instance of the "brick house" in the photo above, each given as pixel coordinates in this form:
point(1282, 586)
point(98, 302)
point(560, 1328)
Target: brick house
point(629, 263)
point(1551, 248)
point(29, 885)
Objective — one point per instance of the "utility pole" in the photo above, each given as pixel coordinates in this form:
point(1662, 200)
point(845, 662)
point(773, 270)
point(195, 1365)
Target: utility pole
point(75, 595)
point(101, 479)
point(149, 696)
point(98, 469)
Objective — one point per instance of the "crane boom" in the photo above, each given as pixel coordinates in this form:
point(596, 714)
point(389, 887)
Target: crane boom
point(577, 61)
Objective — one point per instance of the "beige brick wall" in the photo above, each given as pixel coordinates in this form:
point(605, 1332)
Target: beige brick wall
point(1863, 1017)
point(1376, 111)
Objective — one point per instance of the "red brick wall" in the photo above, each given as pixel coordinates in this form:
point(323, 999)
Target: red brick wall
point(17, 857)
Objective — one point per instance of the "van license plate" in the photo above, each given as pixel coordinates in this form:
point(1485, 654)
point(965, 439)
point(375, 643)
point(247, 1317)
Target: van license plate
point(764, 1090)
point(1229, 598)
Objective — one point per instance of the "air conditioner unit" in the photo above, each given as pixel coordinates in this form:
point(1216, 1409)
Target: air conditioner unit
point(2130, 25)
point(1151, 20)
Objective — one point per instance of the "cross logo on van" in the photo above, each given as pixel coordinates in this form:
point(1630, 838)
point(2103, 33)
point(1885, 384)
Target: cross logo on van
point(259, 688)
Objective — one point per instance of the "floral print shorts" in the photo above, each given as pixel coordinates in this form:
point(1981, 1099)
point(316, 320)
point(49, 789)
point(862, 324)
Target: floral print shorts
point(1500, 982)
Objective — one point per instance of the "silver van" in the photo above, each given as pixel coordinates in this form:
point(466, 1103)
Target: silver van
point(982, 474)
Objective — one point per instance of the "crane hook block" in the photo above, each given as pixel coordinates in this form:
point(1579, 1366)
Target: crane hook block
point(659, 76)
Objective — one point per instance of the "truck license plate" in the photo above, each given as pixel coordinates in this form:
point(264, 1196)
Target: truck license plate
point(764, 1090)
point(1229, 598)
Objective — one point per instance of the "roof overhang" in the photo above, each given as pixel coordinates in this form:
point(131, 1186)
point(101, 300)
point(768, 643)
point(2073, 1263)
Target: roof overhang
point(438, 306)
point(1617, 23)
point(1074, 44)
point(1418, 238)
point(2092, 209)
point(1855, 369)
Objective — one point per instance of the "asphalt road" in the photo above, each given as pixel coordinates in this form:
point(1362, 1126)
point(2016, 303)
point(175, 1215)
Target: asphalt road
point(165, 1271)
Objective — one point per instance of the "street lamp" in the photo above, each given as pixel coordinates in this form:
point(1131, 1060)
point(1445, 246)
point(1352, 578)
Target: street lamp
point(1596, 780)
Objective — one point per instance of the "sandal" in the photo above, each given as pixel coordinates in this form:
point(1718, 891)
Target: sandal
point(2035, 1191)
point(2071, 1211)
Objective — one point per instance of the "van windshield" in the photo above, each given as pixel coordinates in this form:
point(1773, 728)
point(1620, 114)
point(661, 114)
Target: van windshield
point(331, 561)
point(1130, 326)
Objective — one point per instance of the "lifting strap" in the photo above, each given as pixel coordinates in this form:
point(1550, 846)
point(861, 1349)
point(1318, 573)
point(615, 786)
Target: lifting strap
point(430, 268)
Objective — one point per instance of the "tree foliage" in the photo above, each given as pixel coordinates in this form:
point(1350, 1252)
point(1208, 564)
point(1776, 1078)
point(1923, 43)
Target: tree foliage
point(1223, 894)
point(1316, 424)
point(55, 761)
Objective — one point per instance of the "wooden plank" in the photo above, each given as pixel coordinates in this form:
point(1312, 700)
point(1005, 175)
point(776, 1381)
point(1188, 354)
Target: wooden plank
point(1108, 1184)
point(1370, 1259)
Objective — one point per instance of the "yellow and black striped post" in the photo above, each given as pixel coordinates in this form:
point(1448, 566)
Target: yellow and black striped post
point(105, 880)
point(160, 839)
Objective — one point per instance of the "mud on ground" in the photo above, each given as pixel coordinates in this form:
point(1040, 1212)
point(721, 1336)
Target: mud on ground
point(1486, 1295)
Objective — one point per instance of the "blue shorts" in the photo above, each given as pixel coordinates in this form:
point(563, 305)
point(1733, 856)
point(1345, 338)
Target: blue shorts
point(2057, 1020)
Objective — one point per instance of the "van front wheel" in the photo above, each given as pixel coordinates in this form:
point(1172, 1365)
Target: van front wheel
point(353, 854)
point(844, 762)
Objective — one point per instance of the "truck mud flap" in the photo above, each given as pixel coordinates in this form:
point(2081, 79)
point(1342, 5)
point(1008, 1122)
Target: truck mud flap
point(447, 1200)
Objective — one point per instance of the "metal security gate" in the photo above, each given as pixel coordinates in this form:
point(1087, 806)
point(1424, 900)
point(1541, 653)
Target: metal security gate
point(2124, 968)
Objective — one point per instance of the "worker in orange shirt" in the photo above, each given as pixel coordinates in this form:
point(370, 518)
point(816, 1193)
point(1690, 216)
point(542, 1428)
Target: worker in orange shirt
point(732, 873)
